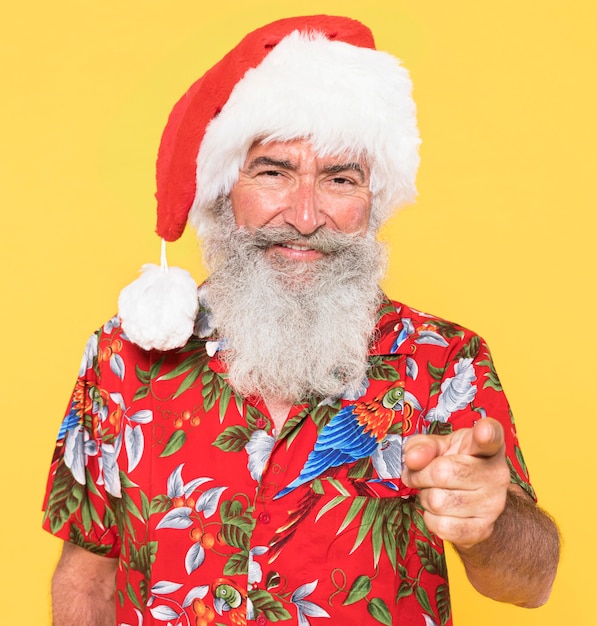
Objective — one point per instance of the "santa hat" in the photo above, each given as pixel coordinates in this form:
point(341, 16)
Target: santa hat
point(318, 77)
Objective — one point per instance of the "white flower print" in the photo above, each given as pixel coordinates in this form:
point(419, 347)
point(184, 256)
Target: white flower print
point(456, 392)
point(259, 448)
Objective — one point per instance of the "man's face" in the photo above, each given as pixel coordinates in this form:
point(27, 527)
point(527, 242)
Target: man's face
point(285, 184)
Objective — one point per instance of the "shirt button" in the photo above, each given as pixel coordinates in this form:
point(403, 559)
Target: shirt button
point(261, 620)
point(264, 518)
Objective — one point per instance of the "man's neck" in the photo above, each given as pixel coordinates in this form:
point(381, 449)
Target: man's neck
point(278, 410)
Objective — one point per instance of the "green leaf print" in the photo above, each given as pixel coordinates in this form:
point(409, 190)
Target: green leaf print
point(317, 488)
point(419, 523)
point(386, 308)
point(377, 537)
point(233, 509)
point(265, 603)
point(379, 611)
point(381, 370)
point(89, 515)
point(517, 480)
point(212, 388)
point(130, 592)
point(334, 502)
point(237, 564)
point(193, 366)
point(65, 498)
point(321, 414)
point(175, 443)
point(369, 515)
point(470, 349)
point(440, 428)
point(423, 599)
point(131, 506)
point(194, 362)
point(187, 383)
point(520, 459)
point(233, 439)
point(141, 393)
point(447, 329)
point(363, 468)
point(492, 381)
point(254, 414)
point(360, 588)
point(437, 373)
point(442, 599)
point(143, 376)
point(355, 508)
point(160, 504)
point(404, 590)
point(237, 525)
point(236, 536)
point(431, 559)
point(76, 537)
point(389, 542)
point(224, 400)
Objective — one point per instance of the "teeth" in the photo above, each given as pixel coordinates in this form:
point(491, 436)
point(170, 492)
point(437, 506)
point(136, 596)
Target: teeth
point(294, 246)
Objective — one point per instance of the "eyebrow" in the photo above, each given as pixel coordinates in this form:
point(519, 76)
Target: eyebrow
point(265, 160)
point(287, 165)
point(343, 167)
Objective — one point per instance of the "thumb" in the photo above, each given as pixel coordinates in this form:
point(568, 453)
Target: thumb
point(420, 450)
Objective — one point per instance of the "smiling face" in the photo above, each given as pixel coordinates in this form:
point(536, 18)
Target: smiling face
point(288, 184)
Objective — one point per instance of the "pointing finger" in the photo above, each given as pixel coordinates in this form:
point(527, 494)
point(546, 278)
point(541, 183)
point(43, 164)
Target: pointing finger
point(486, 440)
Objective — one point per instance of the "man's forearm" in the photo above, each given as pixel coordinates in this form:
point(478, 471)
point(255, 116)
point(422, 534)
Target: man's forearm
point(83, 589)
point(83, 610)
point(518, 562)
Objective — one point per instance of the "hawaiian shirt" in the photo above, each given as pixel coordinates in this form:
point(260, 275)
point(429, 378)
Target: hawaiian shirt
point(216, 520)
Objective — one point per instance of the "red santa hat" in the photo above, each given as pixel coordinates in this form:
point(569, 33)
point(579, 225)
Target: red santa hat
point(318, 77)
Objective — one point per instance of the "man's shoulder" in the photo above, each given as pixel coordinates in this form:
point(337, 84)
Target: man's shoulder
point(404, 311)
point(402, 328)
point(110, 347)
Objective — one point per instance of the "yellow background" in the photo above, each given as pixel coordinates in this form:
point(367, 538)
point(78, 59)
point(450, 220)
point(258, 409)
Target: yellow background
point(502, 238)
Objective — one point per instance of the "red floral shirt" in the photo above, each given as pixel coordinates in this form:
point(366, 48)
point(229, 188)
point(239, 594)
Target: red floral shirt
point(215, 521)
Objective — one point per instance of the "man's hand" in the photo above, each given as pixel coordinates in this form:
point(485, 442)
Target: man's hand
point(509, 547)
point(463, 479)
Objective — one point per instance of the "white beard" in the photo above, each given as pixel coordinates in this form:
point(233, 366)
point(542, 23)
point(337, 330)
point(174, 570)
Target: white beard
point(293, 329)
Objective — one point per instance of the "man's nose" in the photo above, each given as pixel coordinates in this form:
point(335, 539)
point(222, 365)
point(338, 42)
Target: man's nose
point(305, 208)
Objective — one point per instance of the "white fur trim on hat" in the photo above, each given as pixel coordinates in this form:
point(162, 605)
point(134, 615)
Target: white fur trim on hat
point(344, 98)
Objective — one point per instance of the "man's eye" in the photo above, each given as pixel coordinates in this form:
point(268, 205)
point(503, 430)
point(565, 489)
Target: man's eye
point(270, 173)
point(341, 180)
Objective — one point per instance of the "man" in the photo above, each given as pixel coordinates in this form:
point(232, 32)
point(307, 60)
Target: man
point(288, 445)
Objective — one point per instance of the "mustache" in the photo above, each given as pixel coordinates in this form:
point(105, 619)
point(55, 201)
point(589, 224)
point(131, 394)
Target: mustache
point(322, 240)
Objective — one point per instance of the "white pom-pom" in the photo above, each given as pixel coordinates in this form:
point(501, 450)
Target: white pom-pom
point(158, 310)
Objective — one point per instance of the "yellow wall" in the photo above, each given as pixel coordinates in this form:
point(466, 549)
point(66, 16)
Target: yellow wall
point(502, 238)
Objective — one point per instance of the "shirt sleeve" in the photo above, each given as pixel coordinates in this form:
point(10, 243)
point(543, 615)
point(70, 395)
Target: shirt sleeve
point(468, 389)
point(77, 505)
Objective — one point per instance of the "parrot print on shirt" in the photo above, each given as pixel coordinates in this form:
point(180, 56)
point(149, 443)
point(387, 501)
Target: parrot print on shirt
point(354, 433)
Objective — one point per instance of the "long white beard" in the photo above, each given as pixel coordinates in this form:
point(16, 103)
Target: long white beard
point(293, 329)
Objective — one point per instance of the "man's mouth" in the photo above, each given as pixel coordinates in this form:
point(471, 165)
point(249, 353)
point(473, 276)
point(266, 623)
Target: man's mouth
point(296, 246)
point(296, 251)
point(286, 241)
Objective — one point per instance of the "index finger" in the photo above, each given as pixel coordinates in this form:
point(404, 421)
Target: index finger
point(486, 440)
